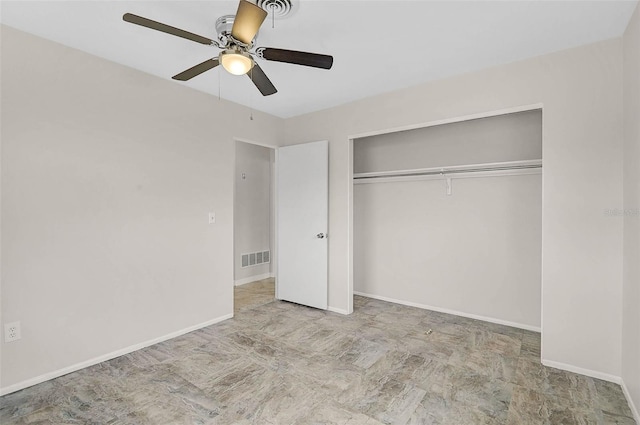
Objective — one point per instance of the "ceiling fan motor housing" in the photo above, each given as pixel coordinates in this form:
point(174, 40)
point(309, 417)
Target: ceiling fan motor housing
point(224, 24)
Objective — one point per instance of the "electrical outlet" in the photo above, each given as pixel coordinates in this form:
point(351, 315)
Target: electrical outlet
point(12, 332)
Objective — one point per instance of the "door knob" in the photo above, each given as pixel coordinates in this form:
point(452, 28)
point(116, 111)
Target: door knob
point(320, 235)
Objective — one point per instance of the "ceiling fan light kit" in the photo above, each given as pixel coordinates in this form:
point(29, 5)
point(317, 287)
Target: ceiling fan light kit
point(236, 35)
point(235, 61)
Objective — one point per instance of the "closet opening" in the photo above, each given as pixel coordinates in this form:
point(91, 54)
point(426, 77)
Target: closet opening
point(448, 218)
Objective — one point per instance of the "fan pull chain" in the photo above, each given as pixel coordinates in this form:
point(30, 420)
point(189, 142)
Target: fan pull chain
point(273, 15)
point(219, 84)
point(251, 98)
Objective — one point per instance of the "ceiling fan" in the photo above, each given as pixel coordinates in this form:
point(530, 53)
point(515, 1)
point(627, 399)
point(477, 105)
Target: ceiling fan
point(237, 36)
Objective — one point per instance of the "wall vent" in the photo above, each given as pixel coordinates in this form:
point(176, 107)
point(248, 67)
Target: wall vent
point(255, 258)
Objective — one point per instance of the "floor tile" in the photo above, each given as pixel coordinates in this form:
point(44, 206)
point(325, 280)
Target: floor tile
point(276, 362)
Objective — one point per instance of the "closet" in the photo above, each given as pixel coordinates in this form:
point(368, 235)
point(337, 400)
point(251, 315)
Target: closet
point(449, 217)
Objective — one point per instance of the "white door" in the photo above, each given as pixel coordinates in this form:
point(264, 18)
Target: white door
point(302, 201)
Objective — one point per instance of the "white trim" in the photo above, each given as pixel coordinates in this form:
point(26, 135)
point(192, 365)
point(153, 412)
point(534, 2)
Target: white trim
point(251, 279)
point(253, 142)
point(449, 311)
point(91, 362)
point(498, 112)
point(632, 406)
point(276, 229)
point(582, 371)
point(350, 228)
point(337, 310)
point(542, 240)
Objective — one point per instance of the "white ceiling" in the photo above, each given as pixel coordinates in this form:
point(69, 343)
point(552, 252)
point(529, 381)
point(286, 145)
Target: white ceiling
point(378, 46)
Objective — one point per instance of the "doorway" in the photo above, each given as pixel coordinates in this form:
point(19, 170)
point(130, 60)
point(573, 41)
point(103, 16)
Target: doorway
point(254, 225)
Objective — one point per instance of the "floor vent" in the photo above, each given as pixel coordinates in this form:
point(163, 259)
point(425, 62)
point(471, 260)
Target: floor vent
point(255, 258)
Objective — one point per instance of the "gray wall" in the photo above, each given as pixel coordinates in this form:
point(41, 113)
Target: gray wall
point(631, 294)
point(511, 137)
point(581, 93)
point(108, 175)
point(476, 252)
point(252, 216)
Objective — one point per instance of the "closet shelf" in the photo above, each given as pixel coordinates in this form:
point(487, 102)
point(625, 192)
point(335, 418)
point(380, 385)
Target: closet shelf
point(491, 169)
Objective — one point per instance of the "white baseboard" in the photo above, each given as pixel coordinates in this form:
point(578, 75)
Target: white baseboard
point(582, 371)
point(454, 312)
point(634, 408)
point(250, 279)
point(60, 372)
point(338, 310)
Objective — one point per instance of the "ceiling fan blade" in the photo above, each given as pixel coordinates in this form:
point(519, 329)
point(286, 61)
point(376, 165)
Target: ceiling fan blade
point(261, 80)
point(299, 58)
point(144, 22)
point(196, 70)
point(247, 22)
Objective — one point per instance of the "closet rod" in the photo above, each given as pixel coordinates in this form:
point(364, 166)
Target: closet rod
point(444, 171)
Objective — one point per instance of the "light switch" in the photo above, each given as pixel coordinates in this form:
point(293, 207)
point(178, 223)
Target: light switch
point(212, 217)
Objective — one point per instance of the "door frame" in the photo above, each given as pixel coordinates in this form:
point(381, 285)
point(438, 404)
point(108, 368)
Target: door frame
point(274, 199)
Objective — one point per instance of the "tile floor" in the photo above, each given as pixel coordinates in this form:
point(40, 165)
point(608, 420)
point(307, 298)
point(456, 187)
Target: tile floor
point(254, 294)
point(281, 363)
